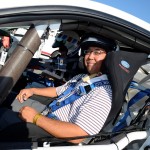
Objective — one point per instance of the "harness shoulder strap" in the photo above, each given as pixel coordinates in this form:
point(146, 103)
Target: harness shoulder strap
point(78, 93)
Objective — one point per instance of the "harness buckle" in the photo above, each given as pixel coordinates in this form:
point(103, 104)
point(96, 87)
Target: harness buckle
point(84, 89)
point(46, 111)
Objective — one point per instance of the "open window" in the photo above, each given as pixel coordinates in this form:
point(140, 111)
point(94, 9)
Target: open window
point(32, 33)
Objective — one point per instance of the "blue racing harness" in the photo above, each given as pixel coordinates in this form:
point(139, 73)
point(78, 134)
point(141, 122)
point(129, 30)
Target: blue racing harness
point(82, 90)
point(124, 121)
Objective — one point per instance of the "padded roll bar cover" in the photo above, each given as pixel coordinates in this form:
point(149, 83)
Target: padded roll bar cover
point(121, 67)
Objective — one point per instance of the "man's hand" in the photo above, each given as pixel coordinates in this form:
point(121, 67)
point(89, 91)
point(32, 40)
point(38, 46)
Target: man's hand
point(57, 128)
point(27, 113)
point(24, 94)
point(6, 41)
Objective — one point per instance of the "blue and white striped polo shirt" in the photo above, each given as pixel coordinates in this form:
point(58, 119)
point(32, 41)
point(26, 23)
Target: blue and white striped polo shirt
point(91, 110)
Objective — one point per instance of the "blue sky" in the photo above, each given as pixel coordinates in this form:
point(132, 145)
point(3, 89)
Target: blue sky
point(138, 8)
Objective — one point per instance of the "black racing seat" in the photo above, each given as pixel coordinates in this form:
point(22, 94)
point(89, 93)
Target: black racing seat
point(121, 67)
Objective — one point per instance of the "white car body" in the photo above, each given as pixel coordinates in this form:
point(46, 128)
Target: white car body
point(129, 30)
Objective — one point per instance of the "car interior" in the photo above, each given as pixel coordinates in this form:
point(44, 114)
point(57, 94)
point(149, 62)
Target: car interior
point(26, 65)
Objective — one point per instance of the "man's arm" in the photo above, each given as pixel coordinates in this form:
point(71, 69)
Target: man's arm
point(56, 128)
point(61, 129)
point(26, 93)
point(48, 91)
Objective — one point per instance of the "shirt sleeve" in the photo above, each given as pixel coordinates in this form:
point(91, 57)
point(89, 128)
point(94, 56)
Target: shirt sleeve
point(95, 110)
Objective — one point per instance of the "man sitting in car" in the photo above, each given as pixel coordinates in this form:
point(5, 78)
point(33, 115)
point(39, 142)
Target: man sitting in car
point(81, 107)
